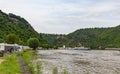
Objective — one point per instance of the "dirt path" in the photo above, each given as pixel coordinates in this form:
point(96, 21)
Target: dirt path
point(23, 66)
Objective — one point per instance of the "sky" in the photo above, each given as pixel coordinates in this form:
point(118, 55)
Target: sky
point(65, 16)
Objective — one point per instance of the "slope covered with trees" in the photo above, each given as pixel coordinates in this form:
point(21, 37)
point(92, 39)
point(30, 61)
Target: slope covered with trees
point(95, 37)
point(12, 24)
point(89, 37)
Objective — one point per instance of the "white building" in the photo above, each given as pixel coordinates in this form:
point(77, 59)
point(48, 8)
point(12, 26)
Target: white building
point(6, 47)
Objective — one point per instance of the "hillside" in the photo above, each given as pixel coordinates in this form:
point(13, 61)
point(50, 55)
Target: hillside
point(50, 38)
point(54, 39)
point(95, 37)
point(10, 23)
point(89, 37)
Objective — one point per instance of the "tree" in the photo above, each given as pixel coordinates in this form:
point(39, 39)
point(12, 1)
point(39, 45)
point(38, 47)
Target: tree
point(12, 38)
point(33, 43)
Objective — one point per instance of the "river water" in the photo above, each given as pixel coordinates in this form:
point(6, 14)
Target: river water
point(80, 61)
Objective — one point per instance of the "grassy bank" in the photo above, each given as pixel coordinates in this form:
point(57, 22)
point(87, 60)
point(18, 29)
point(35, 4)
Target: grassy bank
point(10, 65)
point(29, 57)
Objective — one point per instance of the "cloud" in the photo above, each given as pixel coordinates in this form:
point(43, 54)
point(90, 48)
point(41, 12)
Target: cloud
point(65, 16)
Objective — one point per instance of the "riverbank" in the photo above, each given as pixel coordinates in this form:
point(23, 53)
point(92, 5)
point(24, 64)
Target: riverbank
point(30, 57)
point(10, 65)
point(20, 63)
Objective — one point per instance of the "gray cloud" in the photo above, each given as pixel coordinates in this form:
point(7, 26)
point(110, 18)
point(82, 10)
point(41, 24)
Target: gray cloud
point(65, 16)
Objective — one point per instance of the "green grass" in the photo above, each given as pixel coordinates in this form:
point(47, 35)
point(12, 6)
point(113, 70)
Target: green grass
point(28, 57)
point(55, 70)
point(65, 72)
point(39, 64)
point(10, 65)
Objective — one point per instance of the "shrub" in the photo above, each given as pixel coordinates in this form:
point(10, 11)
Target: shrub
point(33, 43)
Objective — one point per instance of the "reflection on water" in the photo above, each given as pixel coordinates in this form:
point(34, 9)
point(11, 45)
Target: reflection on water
point(80, 62)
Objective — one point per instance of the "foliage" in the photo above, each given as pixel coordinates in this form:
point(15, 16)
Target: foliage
point(12, 24)
point(33, 43)
point(55, 70)
point(10, 65)
point(12, 39)
point(65, 72)
point(50, 38)
point(39, 67)
point(54, 40)
point(96, 37)
point(90, 37)
point(28, 57)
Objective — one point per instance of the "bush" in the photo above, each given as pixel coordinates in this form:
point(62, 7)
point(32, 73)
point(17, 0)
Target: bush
point(33, 43)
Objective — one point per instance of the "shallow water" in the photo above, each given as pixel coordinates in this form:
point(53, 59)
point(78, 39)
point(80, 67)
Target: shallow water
point(80, 61)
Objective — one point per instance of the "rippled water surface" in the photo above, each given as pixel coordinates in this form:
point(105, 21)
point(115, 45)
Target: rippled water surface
point(80, 62)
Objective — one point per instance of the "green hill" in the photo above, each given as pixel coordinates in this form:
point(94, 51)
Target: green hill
point(10, 23)
point(89, 37)
point(95, 37)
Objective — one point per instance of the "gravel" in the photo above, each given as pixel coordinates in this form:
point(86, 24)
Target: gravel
point(80, 61)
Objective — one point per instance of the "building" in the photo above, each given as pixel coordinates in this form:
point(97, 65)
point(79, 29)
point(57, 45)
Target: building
point(9, 47)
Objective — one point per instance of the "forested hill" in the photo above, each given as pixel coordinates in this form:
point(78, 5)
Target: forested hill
point(89, 37)
point(12, 24)
point(95, 37)
point(54, 39)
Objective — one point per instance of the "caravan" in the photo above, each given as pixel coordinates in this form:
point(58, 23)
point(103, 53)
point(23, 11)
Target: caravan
point(8, 48)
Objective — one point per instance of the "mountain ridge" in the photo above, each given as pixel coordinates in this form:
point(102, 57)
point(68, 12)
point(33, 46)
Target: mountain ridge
point(88, 37)
point(11, 23)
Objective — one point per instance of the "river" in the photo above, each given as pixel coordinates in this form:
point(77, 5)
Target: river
point(80, 61)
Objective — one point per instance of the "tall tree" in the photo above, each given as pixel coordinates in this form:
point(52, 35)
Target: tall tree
point(12, 38)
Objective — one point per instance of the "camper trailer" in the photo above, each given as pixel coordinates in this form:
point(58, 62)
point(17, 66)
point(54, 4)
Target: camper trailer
point(8, 48)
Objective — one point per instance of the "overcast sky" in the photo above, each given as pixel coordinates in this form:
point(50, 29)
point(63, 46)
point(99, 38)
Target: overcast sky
point(65, 16)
